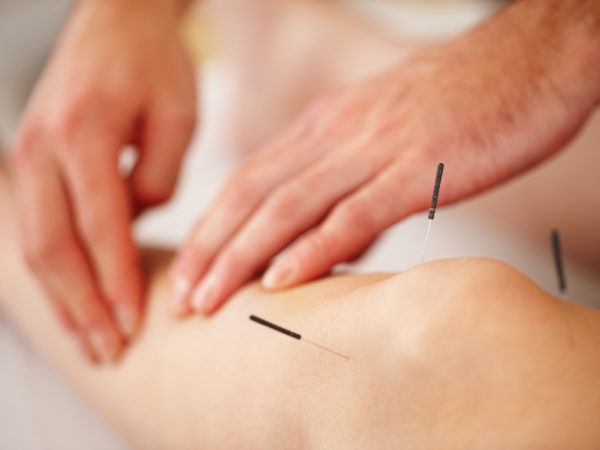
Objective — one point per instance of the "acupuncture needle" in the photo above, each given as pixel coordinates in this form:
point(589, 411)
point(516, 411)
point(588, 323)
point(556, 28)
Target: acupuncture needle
point(433, 205)
point(291, 334)
point(558, 260)
point(562, 280)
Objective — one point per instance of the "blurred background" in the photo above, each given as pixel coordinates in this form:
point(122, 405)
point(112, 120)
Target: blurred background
point(238, 113)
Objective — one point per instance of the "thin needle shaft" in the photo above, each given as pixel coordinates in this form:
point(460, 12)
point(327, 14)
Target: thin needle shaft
point(325, 348)
point(426, 240)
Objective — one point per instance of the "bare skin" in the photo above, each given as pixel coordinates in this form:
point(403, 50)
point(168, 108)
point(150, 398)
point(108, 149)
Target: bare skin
point(490, 104)
point(461, 353)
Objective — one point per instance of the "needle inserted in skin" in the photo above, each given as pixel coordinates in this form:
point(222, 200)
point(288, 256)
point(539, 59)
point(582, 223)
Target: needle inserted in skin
point(291, 334)
point(433, 205)
point(325, 348)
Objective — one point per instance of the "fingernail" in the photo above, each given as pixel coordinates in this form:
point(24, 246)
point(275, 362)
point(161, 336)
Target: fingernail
point(181, 291)
point(279, 275)
point(103, 345)
point(205, 296)
point(126, 320)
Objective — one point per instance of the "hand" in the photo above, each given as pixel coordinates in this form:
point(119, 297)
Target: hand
point(120, 76)
point(489, 105)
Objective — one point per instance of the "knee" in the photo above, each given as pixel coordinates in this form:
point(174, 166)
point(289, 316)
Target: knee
point(460, 302)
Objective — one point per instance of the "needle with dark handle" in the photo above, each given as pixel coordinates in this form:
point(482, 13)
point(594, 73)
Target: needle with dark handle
point(291, 334)
point(433, 205)
point(558, 260)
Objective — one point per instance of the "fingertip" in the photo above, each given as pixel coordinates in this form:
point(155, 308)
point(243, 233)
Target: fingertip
point(127, 319)
point(205, 296)
point(280, 275)
point(105, 344)
point(209, 296)
point(127, 305)
point(182, 288)
point(86, 350)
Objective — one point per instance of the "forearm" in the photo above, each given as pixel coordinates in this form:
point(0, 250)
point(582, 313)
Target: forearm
point(564, 37)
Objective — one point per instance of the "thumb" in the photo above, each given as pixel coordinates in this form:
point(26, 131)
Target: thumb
point(165, 136)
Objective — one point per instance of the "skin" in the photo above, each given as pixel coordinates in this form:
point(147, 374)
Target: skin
point(481, 358)
point(489, 104)
point(119, 76)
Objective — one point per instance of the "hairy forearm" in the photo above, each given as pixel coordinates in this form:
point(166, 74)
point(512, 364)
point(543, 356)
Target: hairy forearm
point(564, 37)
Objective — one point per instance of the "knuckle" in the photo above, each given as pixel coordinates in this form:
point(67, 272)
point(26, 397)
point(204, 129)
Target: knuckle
point(284, 204)
point(25, 146)
point(63, 131)
point(230, 263)
point(242, 189)
point(315, 119)
point(42, 249)
point(323, 245)
point(357, 215)
point(94, 229)
point(84, 104)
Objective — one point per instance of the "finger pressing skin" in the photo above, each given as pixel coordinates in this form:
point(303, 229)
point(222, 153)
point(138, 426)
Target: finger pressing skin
point(287, 212)
point(347, 231)
point(54, 255)
point(166, 134)
point(101, 204)
point(241, 195)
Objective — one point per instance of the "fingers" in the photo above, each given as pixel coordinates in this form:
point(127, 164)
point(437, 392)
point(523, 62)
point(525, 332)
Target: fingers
point(102, 212)
point(281, 217)
point(348, 230)
point(54, 254)
point(166, 135)
point(241, 196)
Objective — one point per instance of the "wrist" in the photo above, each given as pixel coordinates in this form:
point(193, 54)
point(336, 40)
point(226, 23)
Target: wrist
point(580, 32)
point(556, 42)
point(568, 34)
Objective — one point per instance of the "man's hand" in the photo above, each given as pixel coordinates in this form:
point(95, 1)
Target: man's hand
point(489, 105)
point(119, 76)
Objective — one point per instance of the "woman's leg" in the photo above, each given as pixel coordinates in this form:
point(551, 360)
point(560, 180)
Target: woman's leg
point(456, 353)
